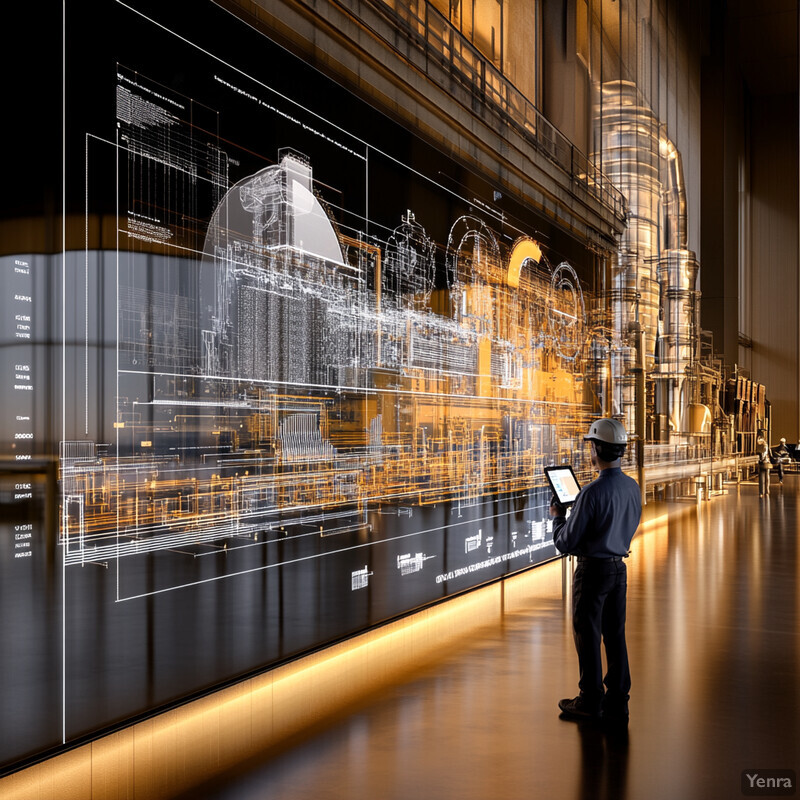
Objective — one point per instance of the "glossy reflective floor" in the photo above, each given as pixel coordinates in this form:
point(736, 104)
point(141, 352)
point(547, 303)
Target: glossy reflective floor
point(714, 641)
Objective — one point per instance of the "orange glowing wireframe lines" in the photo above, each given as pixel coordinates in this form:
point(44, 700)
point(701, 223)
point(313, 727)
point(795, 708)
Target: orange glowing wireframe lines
point(321, 393)
point(524, 249)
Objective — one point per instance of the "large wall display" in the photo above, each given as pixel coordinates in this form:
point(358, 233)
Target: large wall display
point(302, 378)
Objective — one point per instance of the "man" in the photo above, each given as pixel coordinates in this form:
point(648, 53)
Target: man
point(764, 466)
point(781, 456)
point(599, 530)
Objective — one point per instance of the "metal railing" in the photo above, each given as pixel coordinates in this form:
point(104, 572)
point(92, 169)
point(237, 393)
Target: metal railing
point(452, 62)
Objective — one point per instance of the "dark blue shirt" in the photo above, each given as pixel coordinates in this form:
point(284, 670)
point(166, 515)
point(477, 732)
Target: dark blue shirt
point(604, 517)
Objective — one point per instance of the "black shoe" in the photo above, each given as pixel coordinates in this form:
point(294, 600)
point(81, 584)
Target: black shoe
point(615, 710)
point(578, 708)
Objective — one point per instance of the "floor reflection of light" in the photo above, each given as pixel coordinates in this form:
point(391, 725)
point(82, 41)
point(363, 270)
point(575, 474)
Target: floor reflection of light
point(754, 588)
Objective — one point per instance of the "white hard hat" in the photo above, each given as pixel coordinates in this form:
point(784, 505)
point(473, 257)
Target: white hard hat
point(607, 430)
point(783, 441)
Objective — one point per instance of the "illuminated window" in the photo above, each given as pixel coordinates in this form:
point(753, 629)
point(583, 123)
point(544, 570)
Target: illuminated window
point(480, 22)
point(502, 34)
point(488, 29)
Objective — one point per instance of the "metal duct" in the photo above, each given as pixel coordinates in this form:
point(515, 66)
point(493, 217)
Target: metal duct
point(647, 168)
point(677, 272)
point(674, 197)
point(630, 142)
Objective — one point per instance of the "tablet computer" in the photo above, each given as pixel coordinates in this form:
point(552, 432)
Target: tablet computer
point(564, 483)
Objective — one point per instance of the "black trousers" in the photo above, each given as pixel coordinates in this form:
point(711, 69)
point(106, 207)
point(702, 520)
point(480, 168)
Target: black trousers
point(599, 594)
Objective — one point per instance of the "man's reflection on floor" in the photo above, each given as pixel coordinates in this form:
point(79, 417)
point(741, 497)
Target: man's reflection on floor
point(604, 761)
